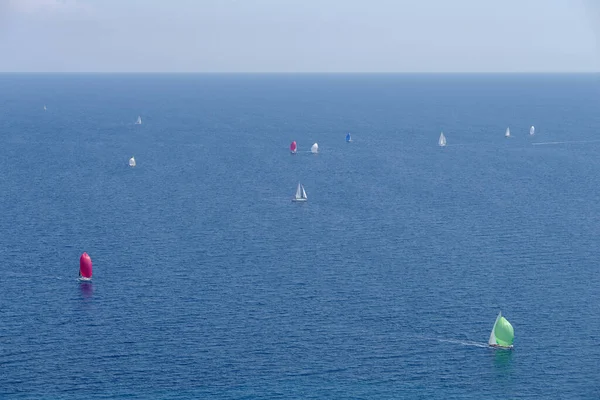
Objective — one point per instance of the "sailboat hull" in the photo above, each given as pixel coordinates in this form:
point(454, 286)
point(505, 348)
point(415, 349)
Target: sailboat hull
point(82, 279)
point(497, 346)
point(299, 200)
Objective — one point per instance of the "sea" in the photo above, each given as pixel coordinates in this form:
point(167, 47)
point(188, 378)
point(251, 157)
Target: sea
point(209, 283)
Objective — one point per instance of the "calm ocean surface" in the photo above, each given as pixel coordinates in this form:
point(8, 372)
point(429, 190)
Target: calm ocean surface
point(210, 283)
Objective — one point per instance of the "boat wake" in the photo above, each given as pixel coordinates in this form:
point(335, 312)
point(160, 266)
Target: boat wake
point(457, 341)
point(566, 142)
point(464, 342)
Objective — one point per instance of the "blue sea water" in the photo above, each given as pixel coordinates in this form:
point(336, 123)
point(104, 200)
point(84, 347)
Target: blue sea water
point(210, 283)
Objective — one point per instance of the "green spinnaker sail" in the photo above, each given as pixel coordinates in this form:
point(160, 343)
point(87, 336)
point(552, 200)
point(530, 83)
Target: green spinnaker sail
point(504, 333)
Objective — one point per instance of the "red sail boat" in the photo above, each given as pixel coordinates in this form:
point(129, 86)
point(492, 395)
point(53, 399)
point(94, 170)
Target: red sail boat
point(85, 267)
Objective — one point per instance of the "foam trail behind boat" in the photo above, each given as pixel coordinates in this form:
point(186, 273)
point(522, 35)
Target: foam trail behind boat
point(464, 342)
point(456, 341)
point(566, 142)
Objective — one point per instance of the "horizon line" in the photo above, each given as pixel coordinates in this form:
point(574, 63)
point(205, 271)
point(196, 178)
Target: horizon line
point(300, 73)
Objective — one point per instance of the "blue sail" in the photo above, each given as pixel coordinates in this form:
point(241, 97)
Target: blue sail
point(348, 138)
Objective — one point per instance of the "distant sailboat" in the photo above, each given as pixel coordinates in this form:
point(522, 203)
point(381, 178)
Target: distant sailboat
point(85, 267)
point(44, 107)
point(507, 133)
point(503, 334)
point(532, 130)
point(132, 162)
point(348, 138)
point(139, 121)
point(314, 149)
point(300, 194)
point(293, 147)
point(442, 141)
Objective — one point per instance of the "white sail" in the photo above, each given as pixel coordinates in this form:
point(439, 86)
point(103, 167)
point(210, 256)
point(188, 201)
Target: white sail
point(139, 121)
point(442, 141)
point(507, 134)
point(492, 341)
point(315, 148)
point(132, 162)
point(532, 130)
point(44, 107)
point(300, 194)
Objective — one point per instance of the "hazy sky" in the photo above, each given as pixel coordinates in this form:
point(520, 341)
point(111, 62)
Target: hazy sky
point(300, 35)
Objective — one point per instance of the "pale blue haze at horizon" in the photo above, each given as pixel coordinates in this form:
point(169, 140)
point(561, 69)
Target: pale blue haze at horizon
point(299, 36)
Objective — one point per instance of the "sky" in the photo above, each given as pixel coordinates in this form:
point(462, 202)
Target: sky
point(300, 36)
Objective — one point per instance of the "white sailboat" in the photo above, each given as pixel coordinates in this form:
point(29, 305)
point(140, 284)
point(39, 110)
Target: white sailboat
point(532, 130)
point(139, 121)
point(314, 149)
point(442, 141)
point(44, 107)
point(300, 194)
point(132, 162)
point(507, 133)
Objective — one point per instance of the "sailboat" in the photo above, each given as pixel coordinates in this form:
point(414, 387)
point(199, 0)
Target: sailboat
point(139, 121)
point(442, 141)
point(503, 334)
point(348, 138)
point(300, 194)
point(314, 149)
point(85, 267)
point(507, 133)
point(132, 162)
point(293, 147)
point(532, 130)
point(44, 107)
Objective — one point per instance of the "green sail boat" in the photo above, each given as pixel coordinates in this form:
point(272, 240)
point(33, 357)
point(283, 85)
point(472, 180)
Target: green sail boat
point(502, 335)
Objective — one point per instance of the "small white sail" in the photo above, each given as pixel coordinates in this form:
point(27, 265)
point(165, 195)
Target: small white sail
point(314, 149)
point(442, 141)
point(132, 162)
point(532, 130)
point(44, 107)
point(300, 194)
point(492, 341)
point(507, 133)
point(139, 121)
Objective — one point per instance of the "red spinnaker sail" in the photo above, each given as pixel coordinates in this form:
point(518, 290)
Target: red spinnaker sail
point(293, 147)
point(85, 266)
